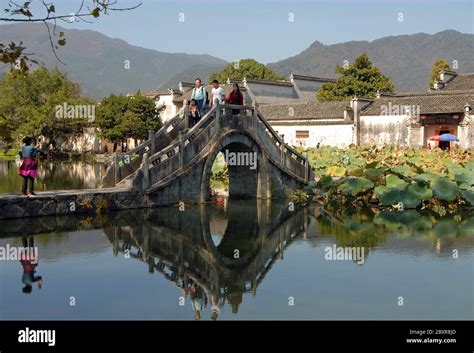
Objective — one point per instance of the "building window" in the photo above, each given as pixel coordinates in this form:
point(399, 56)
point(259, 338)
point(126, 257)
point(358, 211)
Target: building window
point(302, 134)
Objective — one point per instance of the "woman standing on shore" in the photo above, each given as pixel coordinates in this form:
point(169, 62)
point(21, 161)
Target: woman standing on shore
point(29, 166)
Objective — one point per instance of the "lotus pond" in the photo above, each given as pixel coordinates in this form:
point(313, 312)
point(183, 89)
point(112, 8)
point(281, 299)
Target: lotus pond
point(395, 177)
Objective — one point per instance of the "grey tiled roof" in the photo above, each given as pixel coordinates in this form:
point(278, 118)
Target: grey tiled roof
point(429, 102)
point(304, 111)
point(311, 78)
point(460, 82)
point(269, 82)
point(151, 94)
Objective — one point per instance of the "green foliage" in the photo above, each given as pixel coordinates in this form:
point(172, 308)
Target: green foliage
point(468, 195)
point(438, 66)
point(444, 189)
point(28, 104)
point(120, 117)
point(354, 186)
point(219, 174)
point(360, 78)
point(245, 68)
point(394, 176)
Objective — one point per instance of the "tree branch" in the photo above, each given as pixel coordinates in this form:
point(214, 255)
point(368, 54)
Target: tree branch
point(13, 54)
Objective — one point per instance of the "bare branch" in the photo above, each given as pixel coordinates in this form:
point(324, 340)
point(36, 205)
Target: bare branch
point(52, 45)
point(14, 54)
point(102, 9)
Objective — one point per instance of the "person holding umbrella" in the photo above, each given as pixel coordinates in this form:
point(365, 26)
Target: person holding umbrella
point(447, 138)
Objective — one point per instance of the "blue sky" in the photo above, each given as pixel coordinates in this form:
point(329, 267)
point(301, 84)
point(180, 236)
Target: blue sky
point(262, 29)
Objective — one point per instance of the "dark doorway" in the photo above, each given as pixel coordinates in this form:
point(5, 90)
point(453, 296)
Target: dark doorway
point(444, 145)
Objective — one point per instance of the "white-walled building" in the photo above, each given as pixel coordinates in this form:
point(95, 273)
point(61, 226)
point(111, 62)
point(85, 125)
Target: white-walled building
point(407, 119)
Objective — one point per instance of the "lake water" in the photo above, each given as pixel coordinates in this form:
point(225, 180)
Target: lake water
point(242, 260)
point(55, 175)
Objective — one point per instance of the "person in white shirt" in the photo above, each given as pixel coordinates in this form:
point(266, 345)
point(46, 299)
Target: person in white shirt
point(218, 94)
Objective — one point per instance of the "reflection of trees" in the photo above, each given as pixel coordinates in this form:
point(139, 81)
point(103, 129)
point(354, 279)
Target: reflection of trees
point(369, 228)
point(71, 175)
point(351, 229)
point(54, 175)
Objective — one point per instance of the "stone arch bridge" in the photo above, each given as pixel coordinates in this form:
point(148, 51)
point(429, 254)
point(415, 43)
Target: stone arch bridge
point(175, 163)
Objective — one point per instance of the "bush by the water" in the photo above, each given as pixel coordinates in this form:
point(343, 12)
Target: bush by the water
point(394, 176)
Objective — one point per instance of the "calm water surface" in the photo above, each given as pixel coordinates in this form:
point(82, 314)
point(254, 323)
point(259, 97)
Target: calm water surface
point(242, 260)
point(55, 175)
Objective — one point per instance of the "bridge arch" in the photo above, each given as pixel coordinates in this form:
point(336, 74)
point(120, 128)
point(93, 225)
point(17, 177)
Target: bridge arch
point(248, 180)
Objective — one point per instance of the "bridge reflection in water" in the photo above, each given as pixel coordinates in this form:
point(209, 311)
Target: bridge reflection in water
point(217, 255)
point(179, 245)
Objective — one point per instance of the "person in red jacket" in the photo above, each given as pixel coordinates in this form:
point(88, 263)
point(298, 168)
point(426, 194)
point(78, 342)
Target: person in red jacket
point(235, 97)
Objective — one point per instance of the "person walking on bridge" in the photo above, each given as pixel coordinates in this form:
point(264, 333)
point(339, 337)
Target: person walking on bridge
point(199, 94)
point(235, 97)
point(218, 94)
point(194, 113)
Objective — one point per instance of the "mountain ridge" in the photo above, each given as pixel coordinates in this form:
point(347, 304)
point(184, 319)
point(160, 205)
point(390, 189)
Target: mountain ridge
point(97, 61)
point(407, 59)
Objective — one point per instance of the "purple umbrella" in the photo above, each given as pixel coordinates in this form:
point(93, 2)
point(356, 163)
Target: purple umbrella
point(448, 137)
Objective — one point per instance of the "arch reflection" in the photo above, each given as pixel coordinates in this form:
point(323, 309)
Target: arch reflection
point(179, 246)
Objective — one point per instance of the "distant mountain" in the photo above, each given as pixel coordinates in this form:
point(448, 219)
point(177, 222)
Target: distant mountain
point(98, 61)
point(202, 71)
point(407, 59)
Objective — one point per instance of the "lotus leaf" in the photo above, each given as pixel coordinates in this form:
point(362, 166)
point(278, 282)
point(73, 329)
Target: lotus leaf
point(336, 171)
point(354, 186)
point(404, 170)
point(468, 195)
point(444, 189)
point(423, 192)
point(394, 182)
point(394, 196)
point(469, 165)
point(354, 170)
point(374, 173)
point(425, 177)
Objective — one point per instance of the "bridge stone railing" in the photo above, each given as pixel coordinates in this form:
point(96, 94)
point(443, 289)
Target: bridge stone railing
point(125, 165)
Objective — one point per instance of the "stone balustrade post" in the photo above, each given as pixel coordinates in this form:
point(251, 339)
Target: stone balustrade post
point(116, 168)
point(218, 117)
point(282, 150)
point(151, 137)
point(186, 115)
point(181, 149)
point(306, 166)
point(146, 171)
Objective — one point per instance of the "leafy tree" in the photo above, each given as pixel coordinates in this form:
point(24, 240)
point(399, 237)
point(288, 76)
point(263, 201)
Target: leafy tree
point(245, 68)
point(48, 13)
point(120, 117)
point(359, 78)
point(29, 105)
point(438, 66)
